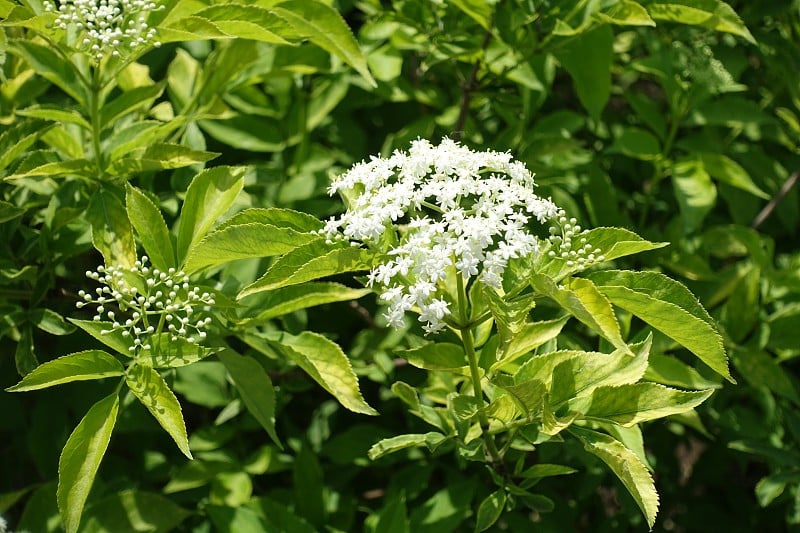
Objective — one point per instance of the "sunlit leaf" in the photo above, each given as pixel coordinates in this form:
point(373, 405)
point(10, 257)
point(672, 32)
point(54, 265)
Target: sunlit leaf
point(326, 363)
point(670, 308)
point(326, 28)
point(626, 466)
point(81, 458)
point(154, 393)
point(638, 402)
point(209, 195)
point(394, 444)
point(79, 366)
point(149, 224)
point(312, 261)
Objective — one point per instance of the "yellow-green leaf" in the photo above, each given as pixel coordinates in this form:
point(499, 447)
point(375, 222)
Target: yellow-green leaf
point(326, 363)
point(627, 467)
point(154, 393)
point(79, 366)
point(81, 458)
point(638, 402)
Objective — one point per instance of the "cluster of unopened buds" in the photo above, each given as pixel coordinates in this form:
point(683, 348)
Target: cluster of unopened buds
point(141, 301)
point(568, 243)
point(107, 26)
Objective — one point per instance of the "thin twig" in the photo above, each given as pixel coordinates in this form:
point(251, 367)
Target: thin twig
point(467, 89)
point(776, 200)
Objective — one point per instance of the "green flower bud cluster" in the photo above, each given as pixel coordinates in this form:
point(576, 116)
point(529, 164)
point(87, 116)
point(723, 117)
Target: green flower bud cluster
point(106, 27)
point(568, 243)
point(143, 302)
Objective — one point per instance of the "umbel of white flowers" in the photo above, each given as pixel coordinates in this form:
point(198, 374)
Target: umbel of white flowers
point(458, 208)
point(146, 300)
point(106, 26)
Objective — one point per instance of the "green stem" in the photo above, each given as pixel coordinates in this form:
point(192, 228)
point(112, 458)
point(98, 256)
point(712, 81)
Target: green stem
point(472, 358)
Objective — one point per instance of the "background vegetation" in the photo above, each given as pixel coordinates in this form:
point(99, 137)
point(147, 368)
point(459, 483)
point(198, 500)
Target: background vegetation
point(679, 120)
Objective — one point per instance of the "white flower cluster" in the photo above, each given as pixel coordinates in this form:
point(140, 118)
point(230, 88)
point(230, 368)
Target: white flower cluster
point(147, 300)
point(107, 26)
point(462, 209)
point(563, 245)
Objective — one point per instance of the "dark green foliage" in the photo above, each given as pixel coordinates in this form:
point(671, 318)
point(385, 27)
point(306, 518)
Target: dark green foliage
point(677, 120)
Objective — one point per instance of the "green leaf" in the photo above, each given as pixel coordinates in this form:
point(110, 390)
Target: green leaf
point(314, 260)
point(242, 241)
point(325, 27)
point(527, 394)
point(24, 357)
point(9, 211)
point(580, 298)
point(146, 219)
point(58, 169)
point(668, 370)
point(247, 132)
point(770, 487)
point(309, 496)
point(326, 363)
point(670, 308)
point(190, 28)
point(637, 143)
point(254, 387)
point(478, 10)
point(760, 369)
point(713, 14)
point(168, 353)
point(580, 375)
point(695, 192)
point(626, 13)
point(133, 510)
point(543, 470)
point(279, 517)
point(572, 373)
point(587, 58)
point(51, 322)
point(79, 366)
point(51, 66)
point(626, 466)
point(638, 402)
point(728, 171)
point(159, 156)
point(530, 337)
point(16, 141)
point(208, 197)
point(394, 444)
point(135, 137)
point(112, 339)
point(81, 458)
point(393, 517)
point(129, 101)
point(225, 65)
point(154, 393)
point(618, 242)
point(490, 510)
point(250, 22)
point(436, 356)
point(55, 113)
point(112, 234)
point(274, 216)
point(295, 297)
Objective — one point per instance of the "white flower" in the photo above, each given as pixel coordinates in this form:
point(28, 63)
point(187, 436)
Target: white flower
point(107, 27)
point(143, 297)
point(462, 210)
